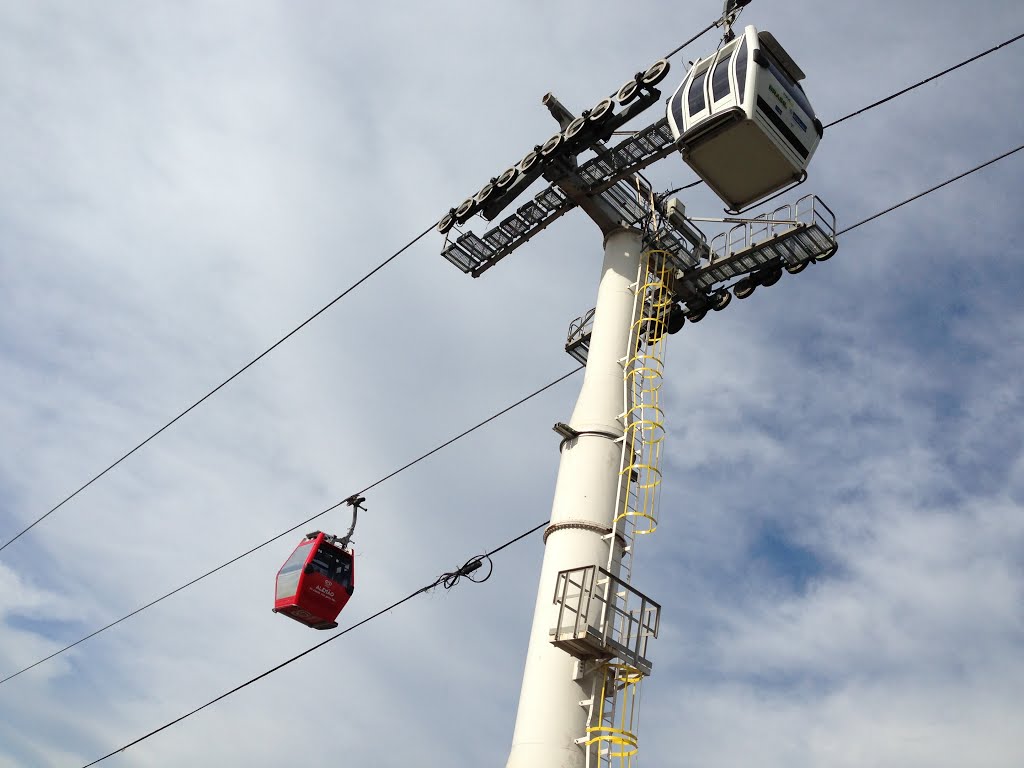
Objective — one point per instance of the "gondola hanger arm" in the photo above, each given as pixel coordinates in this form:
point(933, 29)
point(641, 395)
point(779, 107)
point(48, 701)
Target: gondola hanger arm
point(730, 12)
point(356, 502)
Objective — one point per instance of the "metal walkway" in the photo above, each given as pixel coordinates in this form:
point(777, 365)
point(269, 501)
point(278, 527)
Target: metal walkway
point(792, 236)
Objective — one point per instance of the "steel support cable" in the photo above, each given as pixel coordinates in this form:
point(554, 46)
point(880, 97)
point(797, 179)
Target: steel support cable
point(926, 80)
point(366, 277)
point(446, 579)
point(224, 383)
point(295, 527)
point(331, 303)
point(256, 359)
point(463, 571)
point(892, 208)
point(463, 434)
point(696, 37)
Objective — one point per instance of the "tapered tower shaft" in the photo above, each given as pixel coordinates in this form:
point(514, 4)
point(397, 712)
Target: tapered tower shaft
point(553, 709)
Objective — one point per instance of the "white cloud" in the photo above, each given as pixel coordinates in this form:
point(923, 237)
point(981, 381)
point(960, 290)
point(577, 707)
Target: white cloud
point(838, 557)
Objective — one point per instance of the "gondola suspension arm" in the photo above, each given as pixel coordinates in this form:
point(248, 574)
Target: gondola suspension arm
point(356, 502)
point(730, 12)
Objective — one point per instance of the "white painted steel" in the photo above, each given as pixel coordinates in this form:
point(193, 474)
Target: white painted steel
point(551, 716)
point(742, 121)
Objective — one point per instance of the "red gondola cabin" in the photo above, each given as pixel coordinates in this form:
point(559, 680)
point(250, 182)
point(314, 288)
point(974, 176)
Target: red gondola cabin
point(315, 582)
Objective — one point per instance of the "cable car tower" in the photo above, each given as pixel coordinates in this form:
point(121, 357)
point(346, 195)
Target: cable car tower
point(589, 646)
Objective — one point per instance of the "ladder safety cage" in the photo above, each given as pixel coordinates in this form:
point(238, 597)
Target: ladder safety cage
point(673, 247)
point(612, 739)
point(600, 616)
point(642, 416)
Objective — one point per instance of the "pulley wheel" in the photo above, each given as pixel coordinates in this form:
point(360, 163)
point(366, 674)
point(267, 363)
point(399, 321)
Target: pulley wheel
point(744, 288)
point(627, 92)
point(485, 192)
point(696, 317)
point(447, 222)
point(721, 299)
point(529, 161)
point(507, 177)
point(601, 110)
point(770, 276)
point(464, 209)
point(796, 269)
point(676, 320)
point(575, 127)
point(655, 73)
point(551, 145)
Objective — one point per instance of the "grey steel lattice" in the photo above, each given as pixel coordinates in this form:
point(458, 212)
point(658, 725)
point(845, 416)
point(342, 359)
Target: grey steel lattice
point(790, 236)
point(604, 176)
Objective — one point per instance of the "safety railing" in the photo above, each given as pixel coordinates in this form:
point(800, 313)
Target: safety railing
point(602, 617)
point(809, 212)
point(577, 343)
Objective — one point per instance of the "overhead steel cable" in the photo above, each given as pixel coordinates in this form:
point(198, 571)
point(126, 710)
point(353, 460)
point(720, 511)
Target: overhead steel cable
point(355, 285)
point(256, 359)
point(947, 182)
point(327, 306)
point(452, 440)
point(447, 580)
point(696, 37)
point(450, 579)
point(223, 384)
point(295, 527)
point(936, 76)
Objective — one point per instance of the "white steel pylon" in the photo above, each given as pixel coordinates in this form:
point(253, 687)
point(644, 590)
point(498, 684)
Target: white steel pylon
point(556, 701)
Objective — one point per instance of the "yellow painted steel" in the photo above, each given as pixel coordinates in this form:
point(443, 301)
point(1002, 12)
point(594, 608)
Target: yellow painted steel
point(612, 737)
point(644, 418)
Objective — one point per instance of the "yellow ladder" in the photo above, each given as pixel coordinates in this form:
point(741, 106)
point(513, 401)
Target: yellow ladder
point(612, 738)
point(615, 697)
point(643, 418)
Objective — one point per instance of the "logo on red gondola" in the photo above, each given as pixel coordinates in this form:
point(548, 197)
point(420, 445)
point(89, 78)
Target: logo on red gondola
point(327, 582)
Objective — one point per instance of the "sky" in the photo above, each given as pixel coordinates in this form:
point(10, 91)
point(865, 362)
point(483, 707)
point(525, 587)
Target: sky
point(840, 557)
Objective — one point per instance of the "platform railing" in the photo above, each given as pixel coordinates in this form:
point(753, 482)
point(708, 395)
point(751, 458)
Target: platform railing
point(600, 616)
point(808, 212)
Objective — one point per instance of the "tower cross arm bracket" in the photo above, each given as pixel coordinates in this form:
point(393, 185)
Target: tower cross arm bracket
point(605, 187)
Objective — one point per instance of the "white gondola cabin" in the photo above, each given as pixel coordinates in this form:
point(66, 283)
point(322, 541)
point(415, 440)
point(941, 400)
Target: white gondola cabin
point(742, 121)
